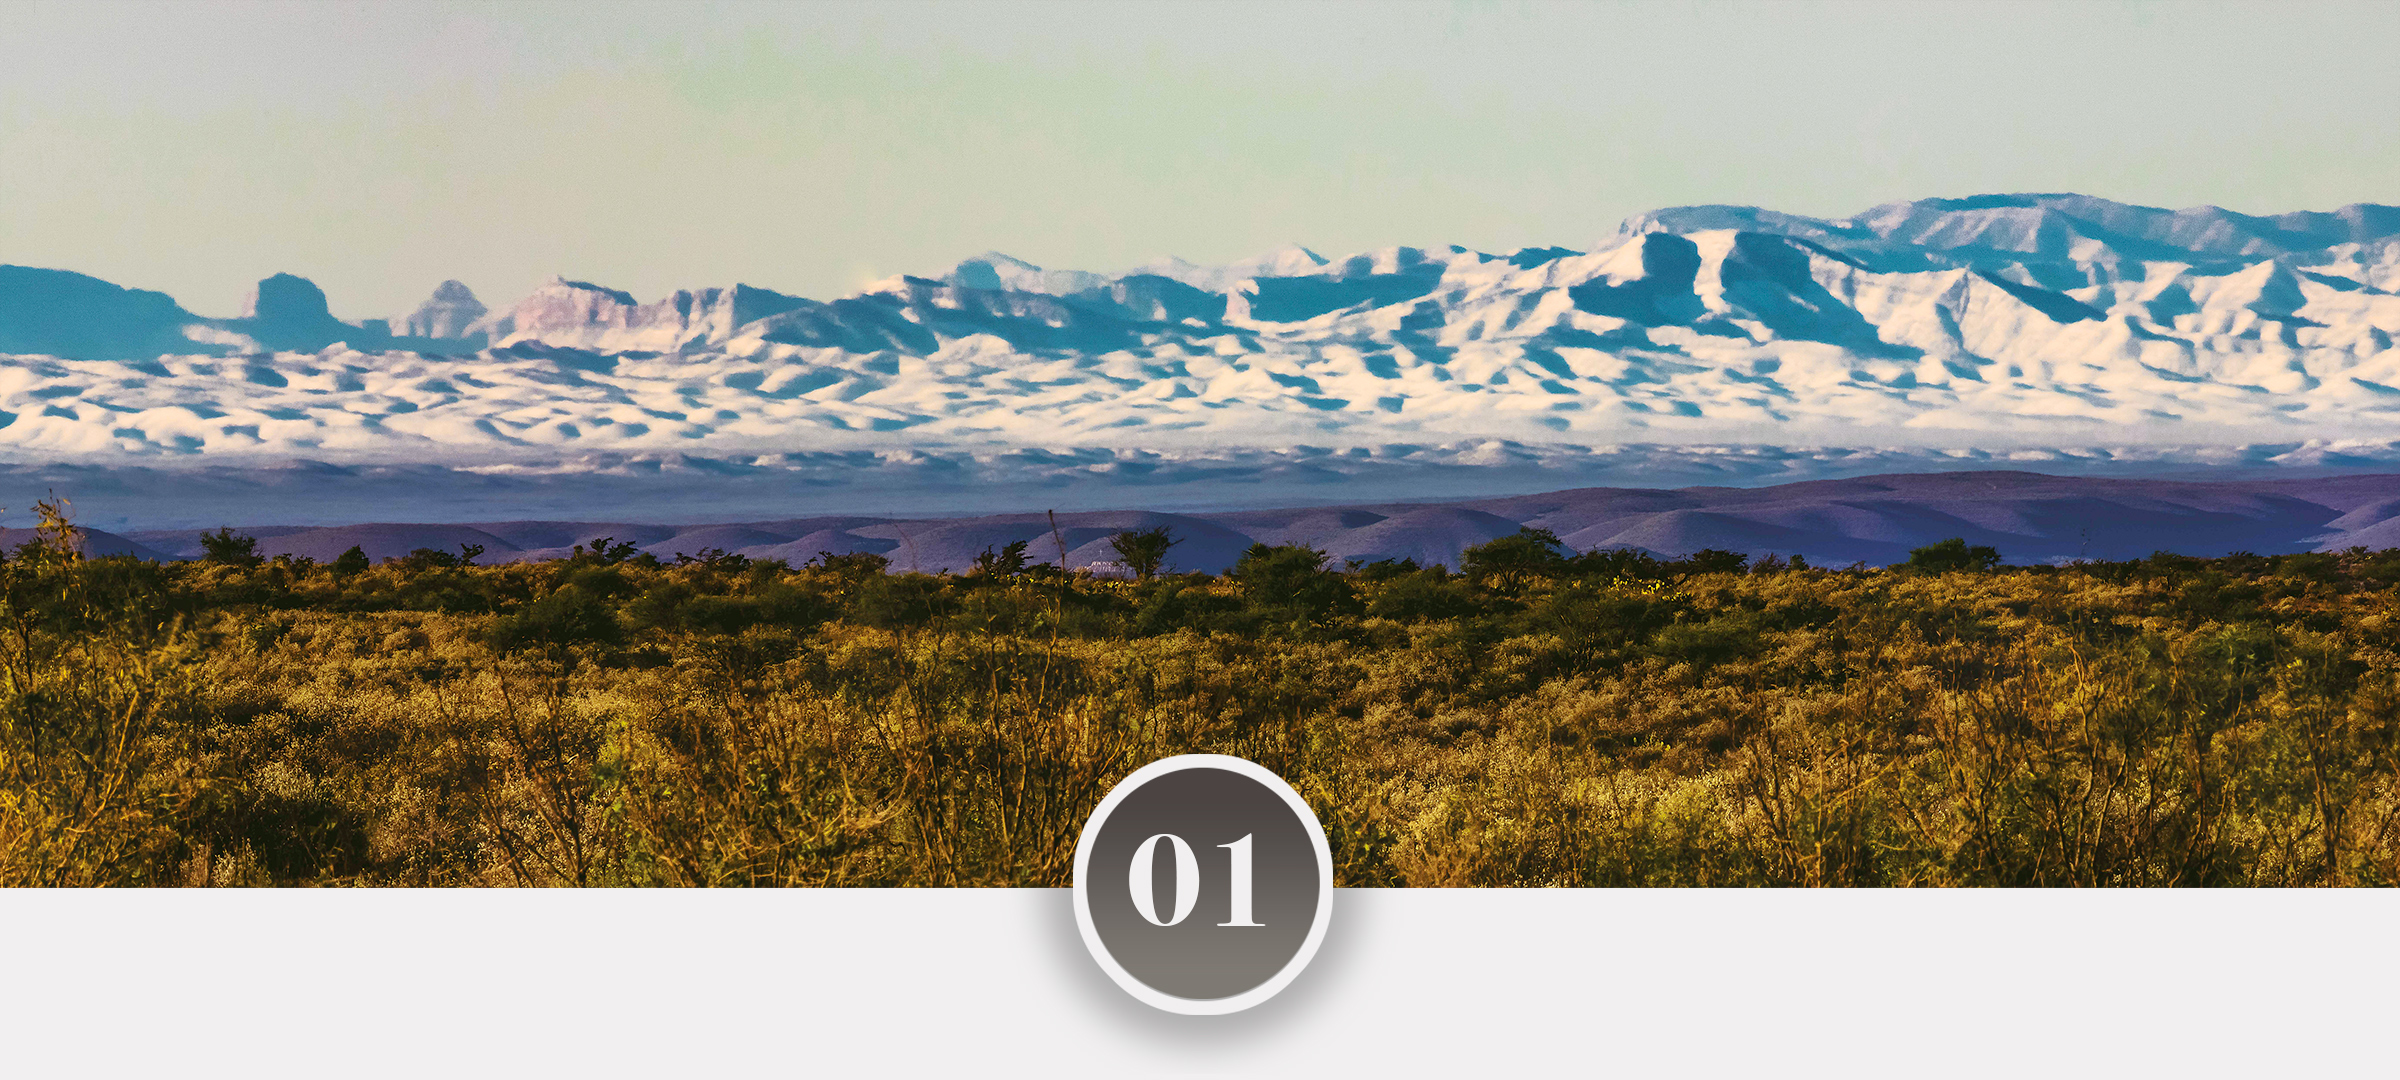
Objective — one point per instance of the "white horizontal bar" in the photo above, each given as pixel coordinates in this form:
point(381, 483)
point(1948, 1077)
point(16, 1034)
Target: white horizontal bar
point(1619, 983)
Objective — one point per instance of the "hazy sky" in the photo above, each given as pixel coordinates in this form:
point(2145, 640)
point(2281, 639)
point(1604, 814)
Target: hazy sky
point(378, 149)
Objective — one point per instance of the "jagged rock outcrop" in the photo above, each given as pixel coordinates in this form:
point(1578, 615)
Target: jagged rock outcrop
point(290, 313)
point(446, 315)
point(580, 315)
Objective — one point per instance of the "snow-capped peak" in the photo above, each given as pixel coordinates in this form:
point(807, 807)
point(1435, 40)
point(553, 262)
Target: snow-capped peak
point(1992, 320)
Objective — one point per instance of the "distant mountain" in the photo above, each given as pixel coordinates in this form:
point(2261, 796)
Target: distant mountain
point(69, 315)
point(290, 314)
point(449, 313)
point(96, 543)
point(1992, 322)
point(576, 315)
point(2028, 517)
point(2065, 228)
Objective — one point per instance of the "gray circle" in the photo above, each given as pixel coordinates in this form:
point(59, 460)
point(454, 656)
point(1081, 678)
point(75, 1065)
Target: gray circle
point(1208, 809)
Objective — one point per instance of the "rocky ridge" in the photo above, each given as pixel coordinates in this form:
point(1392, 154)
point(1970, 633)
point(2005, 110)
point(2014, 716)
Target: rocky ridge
point(1991, 322)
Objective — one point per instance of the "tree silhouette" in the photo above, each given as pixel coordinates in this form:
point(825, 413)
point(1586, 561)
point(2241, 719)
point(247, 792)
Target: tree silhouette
point(230, 548)
point(1953, 554)
point(1144, 550)
point(1509, 563)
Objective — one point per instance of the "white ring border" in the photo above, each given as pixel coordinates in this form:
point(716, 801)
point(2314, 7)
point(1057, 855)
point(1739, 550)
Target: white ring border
point(1291, 968)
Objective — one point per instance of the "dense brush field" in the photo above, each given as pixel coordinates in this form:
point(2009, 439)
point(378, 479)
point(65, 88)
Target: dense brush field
point(1535, 719)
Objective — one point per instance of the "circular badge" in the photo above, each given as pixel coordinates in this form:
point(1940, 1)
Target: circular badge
point(1203, 884)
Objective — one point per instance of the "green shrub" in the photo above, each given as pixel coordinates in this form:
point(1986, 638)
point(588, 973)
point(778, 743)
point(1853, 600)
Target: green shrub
point(573, 615)
point(1952, 555)
point(1292, 579)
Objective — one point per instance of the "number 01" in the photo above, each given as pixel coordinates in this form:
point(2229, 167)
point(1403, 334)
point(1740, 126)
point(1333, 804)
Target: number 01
point(1141, 879)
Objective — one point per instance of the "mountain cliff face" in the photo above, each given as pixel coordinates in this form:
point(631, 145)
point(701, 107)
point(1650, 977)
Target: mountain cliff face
point(1994, 321)
point(576, 315)
point(447, 314)
point(290, 314)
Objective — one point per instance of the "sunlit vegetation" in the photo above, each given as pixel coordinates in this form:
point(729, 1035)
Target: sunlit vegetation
point(1535, 718)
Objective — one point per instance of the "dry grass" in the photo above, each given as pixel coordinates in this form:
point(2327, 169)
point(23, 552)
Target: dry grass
point(2162, 723)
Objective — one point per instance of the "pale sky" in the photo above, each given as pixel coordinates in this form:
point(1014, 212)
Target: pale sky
point(378, 149)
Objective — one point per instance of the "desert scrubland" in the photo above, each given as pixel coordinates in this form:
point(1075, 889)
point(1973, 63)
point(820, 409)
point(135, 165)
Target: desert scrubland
point(1535, 718)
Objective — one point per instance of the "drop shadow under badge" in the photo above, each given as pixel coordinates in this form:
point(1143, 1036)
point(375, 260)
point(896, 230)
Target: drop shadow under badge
point(1203, 884)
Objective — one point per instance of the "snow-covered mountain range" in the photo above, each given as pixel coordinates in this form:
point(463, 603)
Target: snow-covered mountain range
point(2026, 321)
